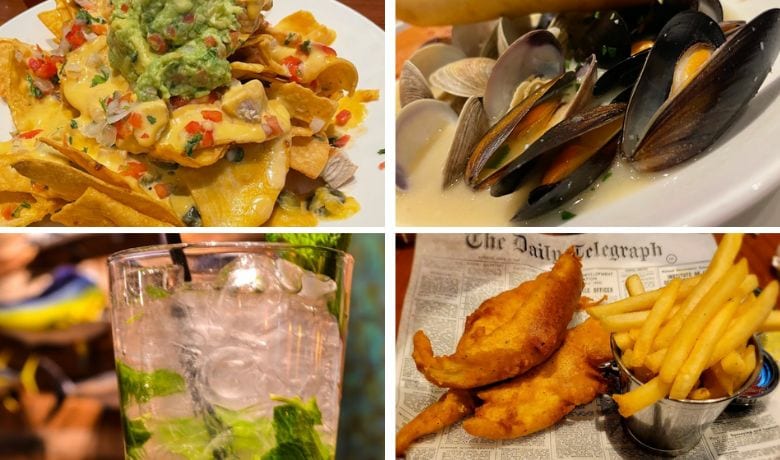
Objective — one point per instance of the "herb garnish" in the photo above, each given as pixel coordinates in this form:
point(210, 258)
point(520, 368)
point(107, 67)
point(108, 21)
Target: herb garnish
point(192, 143)
point(100, 78)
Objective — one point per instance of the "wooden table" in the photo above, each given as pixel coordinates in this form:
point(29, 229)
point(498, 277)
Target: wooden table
point(372, 9)
point(757, 249)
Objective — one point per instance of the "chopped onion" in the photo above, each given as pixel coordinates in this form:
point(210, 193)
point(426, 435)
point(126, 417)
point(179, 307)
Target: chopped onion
point(95, 60)
point(72, 68)
point(45, 86)
point(317, 124)
point(207, 125)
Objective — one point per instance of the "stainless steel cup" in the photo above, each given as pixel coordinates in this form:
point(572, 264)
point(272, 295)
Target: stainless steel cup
point(674, 426)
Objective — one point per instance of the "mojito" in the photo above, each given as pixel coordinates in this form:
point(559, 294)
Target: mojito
point(230, 351)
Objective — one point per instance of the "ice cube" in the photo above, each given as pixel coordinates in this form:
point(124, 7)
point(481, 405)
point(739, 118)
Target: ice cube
point(317, 289)
point(250, 273)
point(233, 377)
point(290, 276)
point(144, 284)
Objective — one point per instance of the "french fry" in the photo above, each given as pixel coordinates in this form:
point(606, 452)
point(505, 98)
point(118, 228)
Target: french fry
point(732, 363)
point(772, 322)
point(700, 393)
point(646, 395)
point(640, 302)
point(691, 370)
point(655, 359)
point(741, 328)
point(624, 321)
point(748, 286)
point(634, 285)
point(624, 340)
point(749, 364)
point(721, 261)
point(683, 342)
point(717, 381)
point(654, 320)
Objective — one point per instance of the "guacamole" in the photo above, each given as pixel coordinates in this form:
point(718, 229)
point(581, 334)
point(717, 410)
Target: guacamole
point(175, 47)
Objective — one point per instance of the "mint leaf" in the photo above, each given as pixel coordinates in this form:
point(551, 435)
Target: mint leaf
point(136, 436)
point(157, 292)
point(296, 436)
point(143, 386)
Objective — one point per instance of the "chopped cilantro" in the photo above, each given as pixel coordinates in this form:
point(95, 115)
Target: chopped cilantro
point(192, 218)
point(151, 119)
point(84, 150)
point(192, 143)
point(34, 90)
point(104, 104)
point(18, 210)
point(381, 151)
point(305, 47)
point(566, 215)
point(606, 176)
point(100, 78)
point(235, 154)
point(74, 124)
point(84, 16)
point(289, 39)
point(70, 140)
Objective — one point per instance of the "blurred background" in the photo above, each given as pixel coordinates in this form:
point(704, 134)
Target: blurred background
point(58, 390)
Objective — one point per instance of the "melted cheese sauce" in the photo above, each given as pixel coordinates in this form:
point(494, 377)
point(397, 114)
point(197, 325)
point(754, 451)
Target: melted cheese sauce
point(426, 204)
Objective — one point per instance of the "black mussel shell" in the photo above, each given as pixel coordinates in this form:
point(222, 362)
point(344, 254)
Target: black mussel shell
point(620, 79)
point(603, 33)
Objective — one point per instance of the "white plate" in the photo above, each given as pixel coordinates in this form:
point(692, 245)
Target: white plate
point(359, 40)
point(735, 183)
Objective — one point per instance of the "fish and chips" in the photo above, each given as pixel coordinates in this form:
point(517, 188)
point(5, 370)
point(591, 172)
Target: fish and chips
point(155, 114)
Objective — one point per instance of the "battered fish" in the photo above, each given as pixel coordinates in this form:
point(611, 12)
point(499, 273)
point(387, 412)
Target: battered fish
point(543, 396)
point(509, 333)
point(449, 409)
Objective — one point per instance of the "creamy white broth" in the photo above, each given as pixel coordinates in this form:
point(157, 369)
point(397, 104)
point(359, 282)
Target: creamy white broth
point(426, 204)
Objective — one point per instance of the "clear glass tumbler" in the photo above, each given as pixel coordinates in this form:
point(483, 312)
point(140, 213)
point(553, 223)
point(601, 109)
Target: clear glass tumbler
point(230, 350)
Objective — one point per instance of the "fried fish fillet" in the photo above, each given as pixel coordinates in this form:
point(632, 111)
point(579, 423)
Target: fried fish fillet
point(509, 333)
point(543, 396)
point(453, 406)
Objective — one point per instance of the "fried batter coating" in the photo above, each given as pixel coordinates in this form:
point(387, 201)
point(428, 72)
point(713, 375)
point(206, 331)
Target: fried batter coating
point(509, 333)
point(453, 406)
point(543, 396)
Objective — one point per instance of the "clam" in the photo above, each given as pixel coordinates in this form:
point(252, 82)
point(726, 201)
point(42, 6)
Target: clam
point(472, 125)
point(412, 85)
point(510, 29)
point(693, 85)
point(431, 57)
point(465, 77)
point(417, 125)
point(536, 53)
point(474, 38)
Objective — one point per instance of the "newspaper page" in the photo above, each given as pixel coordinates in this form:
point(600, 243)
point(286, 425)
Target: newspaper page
point(452, 274)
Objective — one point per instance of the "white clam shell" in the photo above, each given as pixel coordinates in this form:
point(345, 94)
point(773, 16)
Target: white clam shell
point(465, 77)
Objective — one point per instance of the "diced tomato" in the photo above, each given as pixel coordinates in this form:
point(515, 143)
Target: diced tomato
point(145, 136)
point(178, 101)
point(382, 166)
point(75, 36)
point(341, 141)
point(274, 128)
point(210, 41)
point(171, 31)
point(134, 169)
point(212, 115)
point(125, 8)
point(293, 65)
point(343, 117)
point(29, 134)
point(208, 139)
point(162, 190)
point(99, 29)
point(38, 187)
point(157, 43)
point(325, 49)
point(189, 18)
point(193, 127)
point(8, 211)
point(123, 129)
point(135, 120)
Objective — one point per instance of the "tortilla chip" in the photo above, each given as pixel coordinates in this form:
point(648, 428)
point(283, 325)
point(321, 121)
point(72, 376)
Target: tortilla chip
point(305, 24)
point(95, 209)
point(12, 181)
point(70, 183)
point(309, 155)
point(244, 193)
point(199, 158)
point(54, 21)
point(23, 209)
point(243, 70)
point(88, 164)
point(338, 75)
point(302, 103)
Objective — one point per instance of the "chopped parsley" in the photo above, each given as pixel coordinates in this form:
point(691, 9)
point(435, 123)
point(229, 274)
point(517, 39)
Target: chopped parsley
point(18, 210)
point(70, 140)
point(606, 176)
point(34, 90)
point(192, 144)
point(381, 151)
point(84, 150)
point(305, 47)
point(291, 36)
point(192, 218)
point(74, 124)
point(151, 119)
point(100, 78)
point(566, 215)
point(104, 104)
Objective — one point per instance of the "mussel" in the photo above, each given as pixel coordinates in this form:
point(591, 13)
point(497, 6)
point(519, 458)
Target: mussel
point(693, 85)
